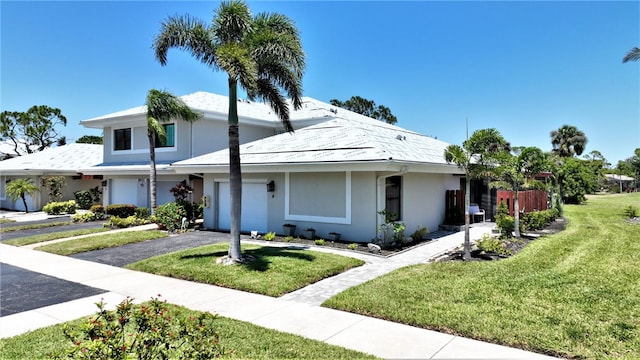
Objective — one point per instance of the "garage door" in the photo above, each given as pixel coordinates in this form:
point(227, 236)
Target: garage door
point(254, 207)
point(124, 191)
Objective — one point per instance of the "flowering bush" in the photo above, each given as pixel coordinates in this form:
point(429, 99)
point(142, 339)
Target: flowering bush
point(169, 216)
point(153, 330)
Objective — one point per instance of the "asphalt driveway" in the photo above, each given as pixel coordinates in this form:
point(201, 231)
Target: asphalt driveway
point(23, 290)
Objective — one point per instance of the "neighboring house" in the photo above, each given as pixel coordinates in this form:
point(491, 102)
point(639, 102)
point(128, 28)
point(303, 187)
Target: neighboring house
point(334, 177)
point(621, 182)
point(58, 161)
point(8, 149)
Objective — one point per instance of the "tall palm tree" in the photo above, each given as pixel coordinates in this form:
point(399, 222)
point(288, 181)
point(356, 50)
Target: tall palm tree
point(568, 141)
point(263, 54)
point(162, 106)
point(515, 168)
point(632, 55)
point(475, 157)
point(19, 188)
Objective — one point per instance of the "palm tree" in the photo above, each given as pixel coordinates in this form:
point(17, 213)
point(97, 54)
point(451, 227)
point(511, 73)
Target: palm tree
point(568, 141)
point(19, 188)
point(632, 55)
point(263, 54)
point(475, 157)
point(515, 169)
point(162, 106)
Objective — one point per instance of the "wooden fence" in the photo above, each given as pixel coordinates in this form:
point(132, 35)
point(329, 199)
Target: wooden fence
point(528, 201)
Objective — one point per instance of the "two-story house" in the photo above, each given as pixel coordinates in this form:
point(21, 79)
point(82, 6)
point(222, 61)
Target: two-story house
point(125, 166)
point(335, 173)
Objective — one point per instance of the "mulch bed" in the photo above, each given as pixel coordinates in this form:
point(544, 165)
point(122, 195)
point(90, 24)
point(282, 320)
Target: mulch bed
point(513, 245)
point(361, 247)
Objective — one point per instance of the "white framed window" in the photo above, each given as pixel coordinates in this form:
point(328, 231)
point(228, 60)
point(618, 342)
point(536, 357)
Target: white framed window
point(122, 139)
point(170, 139)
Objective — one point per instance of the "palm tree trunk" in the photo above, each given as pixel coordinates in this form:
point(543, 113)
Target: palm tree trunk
point(24, 201)
point(516, 213)
point(467, 199)
point(152, 173)
point(235, 174)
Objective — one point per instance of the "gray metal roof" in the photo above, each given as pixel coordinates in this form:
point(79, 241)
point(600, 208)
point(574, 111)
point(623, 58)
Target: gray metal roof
point(62, 159)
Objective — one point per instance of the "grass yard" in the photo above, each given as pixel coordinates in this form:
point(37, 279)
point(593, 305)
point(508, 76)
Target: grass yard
point(274, 272)
point(247, 341)
point(574, 294)
point(101, 242)
point(28, 240)
point(34, 226)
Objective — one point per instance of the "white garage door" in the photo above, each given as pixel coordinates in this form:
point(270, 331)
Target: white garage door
point(124, 191)
point(254, 207)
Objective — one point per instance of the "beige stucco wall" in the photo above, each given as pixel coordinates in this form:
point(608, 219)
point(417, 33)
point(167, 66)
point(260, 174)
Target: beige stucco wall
point(363, 204)
point(423, 200)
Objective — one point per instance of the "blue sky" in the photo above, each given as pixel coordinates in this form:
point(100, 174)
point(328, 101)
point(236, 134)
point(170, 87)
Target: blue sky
point(524, 68)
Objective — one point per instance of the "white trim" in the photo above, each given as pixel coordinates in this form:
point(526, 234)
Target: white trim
point(113, 142)
point(320, 219)
point(247, 181)
point(133, 150)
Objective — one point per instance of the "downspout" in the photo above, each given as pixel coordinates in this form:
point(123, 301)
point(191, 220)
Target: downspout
point(380, 195)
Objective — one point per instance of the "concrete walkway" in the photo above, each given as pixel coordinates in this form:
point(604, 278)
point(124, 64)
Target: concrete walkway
point(295, 313)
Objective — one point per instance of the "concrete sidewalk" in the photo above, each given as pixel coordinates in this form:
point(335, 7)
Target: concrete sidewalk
point(295, 313)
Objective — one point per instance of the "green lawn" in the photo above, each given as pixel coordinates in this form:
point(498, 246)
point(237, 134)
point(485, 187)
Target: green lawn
point(101, 242)
point(275, 271)
point(247, 341)
point(574, 294)
point(28, 240)
point(34, 226)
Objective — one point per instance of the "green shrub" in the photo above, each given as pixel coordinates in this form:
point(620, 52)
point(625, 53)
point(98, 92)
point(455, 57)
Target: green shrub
point(142, 212)
point(121, 210)
point(319, 242)
point(129, 221)
point(153, 330)
point(420, 233)
point(353, 246)
point(97, 209)
point(631, 211)
point(539, 219)
point(84, 199)
point(84, 217)
point(288, 239)
point(489, 244)
point(169, 216)
point(60, 207)
point(270, 236)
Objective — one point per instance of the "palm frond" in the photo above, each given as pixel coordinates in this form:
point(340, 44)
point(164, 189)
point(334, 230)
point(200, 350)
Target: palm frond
point(235, 60)
point(232, 22)
point(189, 34)
point(271, 94)
point(632, 55)
point(156, 129)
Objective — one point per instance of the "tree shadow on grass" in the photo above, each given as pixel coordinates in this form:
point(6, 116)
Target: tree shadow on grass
point(260, 256)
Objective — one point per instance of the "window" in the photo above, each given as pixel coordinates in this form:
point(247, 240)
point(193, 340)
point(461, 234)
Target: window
point(393, 197)
point(122, 139)
point(170, 140)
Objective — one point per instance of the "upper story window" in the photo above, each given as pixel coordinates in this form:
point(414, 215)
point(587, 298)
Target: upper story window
point(170, 140)
point(122, 139)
